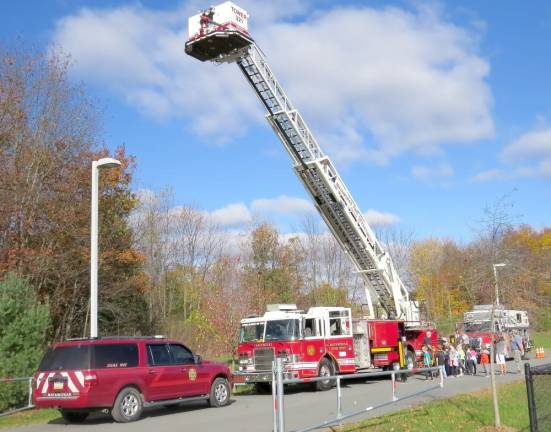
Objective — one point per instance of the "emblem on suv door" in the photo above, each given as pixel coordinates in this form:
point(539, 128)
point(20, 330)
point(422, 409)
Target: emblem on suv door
point(192, 374)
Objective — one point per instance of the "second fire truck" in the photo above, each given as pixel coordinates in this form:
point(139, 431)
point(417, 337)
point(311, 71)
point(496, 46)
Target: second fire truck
point(323, 340)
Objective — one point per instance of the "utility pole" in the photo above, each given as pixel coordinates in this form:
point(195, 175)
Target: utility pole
point(492, 349)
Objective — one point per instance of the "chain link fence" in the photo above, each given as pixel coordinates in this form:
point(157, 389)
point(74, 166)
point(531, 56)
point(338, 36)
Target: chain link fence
point(538, 386)
point(15, 395)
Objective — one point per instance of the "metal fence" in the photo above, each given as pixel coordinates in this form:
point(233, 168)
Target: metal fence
point(538, 387)
point(278, 393)
point(20, 386)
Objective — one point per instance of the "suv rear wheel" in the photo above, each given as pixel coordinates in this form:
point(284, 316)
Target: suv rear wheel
point(128, 405)
point(74, 416)
point(219, 393)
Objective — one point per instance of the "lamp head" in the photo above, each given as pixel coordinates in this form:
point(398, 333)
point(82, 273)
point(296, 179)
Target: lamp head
point(107, 163)
point(500, 265)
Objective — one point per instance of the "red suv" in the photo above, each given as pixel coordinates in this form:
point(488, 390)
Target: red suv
point(124, 375)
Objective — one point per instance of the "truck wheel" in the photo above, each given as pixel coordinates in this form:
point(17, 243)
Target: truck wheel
point(402, 377)
point(128, 406)
point(263, 387)
point(74, 416)
point(219, 393)
point(326, 369)
point(410, 360)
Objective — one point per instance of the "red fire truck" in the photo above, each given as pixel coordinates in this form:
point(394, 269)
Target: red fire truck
point(477, 325)
point(320, 342)
point(220, 34)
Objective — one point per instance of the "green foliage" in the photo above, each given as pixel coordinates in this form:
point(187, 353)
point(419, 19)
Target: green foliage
point(23, 325)
point(542, 339)
point(326, 295)
point(543, 319)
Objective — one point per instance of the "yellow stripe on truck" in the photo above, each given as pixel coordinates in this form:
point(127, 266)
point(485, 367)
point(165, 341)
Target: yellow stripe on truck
point(380, 350)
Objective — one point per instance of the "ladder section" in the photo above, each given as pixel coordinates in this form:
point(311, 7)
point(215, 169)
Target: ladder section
point(284, 119)
point(329, 192)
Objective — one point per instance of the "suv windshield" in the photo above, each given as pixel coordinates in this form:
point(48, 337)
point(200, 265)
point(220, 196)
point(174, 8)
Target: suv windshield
point(282, 329)
point(251, 332)
point(477, 327)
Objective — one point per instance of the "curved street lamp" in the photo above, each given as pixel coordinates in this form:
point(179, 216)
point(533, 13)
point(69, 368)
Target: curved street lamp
point(96, 166)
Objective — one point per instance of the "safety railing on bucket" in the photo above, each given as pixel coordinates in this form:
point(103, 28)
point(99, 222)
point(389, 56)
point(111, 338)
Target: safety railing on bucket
point(278, 394)
point(25, 385)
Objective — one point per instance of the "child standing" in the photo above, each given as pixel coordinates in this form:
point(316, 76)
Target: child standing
point(485, 358)
point(472, 359)
point(441, 360)
point(427, 361)
point(461, 355)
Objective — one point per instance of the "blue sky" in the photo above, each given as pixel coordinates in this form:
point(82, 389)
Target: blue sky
point(430, 110)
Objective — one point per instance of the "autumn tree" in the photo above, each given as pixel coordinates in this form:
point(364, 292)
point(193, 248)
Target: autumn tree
point(49, 134)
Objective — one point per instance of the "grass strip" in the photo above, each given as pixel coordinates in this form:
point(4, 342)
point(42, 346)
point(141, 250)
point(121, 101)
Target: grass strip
point(465, 412)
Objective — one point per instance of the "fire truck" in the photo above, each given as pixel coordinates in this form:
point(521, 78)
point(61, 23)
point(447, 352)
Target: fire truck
point(390, 335)
point(477, 325)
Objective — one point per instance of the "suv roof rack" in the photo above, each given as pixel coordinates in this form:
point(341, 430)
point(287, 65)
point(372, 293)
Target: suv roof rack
point(115, 338)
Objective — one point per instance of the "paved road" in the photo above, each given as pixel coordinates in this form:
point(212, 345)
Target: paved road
point(252, 413)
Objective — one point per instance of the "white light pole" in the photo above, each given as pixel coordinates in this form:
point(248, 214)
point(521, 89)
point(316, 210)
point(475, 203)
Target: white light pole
point(497, 417)
point(96, 165)
point(495, 278)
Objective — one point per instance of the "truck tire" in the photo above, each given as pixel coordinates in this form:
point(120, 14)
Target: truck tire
point(128, 405)
point(411, 362)
point(326, 369)
point(74, 416)
point(219, 393)
point(402, 377)
point(263, 387)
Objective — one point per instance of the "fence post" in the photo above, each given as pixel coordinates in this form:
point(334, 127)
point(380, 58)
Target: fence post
point(530, 393)
point(393, 381)
point(274, 394)
point(30, 401)
point(280, 410)
point(339, 407)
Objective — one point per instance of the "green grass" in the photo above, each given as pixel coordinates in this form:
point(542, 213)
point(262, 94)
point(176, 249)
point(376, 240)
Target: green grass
point(29, 417)
point(466, 412)
point(542, 339)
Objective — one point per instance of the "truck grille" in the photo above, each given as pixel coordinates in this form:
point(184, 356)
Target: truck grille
point(263, 358)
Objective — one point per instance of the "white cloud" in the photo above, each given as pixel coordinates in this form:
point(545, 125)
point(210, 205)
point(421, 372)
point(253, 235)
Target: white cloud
point(376, 218)
point(443, 170)
point(532, 147)
point(232, 215)
point(488, 175)
point(283, 204)
point(239, 214)
point(409, 80)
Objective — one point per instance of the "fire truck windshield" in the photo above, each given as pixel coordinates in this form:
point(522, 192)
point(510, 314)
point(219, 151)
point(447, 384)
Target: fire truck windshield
point(471, 327)
point(282, 329)
point(251, 332)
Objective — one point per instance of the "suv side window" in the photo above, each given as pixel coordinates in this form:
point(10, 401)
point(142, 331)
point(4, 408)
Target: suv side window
point(115, 356)
point(158, 355)
point(181, 355)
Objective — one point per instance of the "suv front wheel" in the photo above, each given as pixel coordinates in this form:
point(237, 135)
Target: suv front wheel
point(219, 393)
point(128, 405)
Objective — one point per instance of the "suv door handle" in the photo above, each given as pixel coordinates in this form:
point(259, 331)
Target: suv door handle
point(183, 370)
point(151, 371)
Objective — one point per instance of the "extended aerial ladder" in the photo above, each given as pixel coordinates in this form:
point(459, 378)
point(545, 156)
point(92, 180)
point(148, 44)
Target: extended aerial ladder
point(220, 35)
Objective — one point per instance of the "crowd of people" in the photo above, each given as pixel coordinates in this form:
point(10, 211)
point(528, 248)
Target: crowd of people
point(459, 358)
